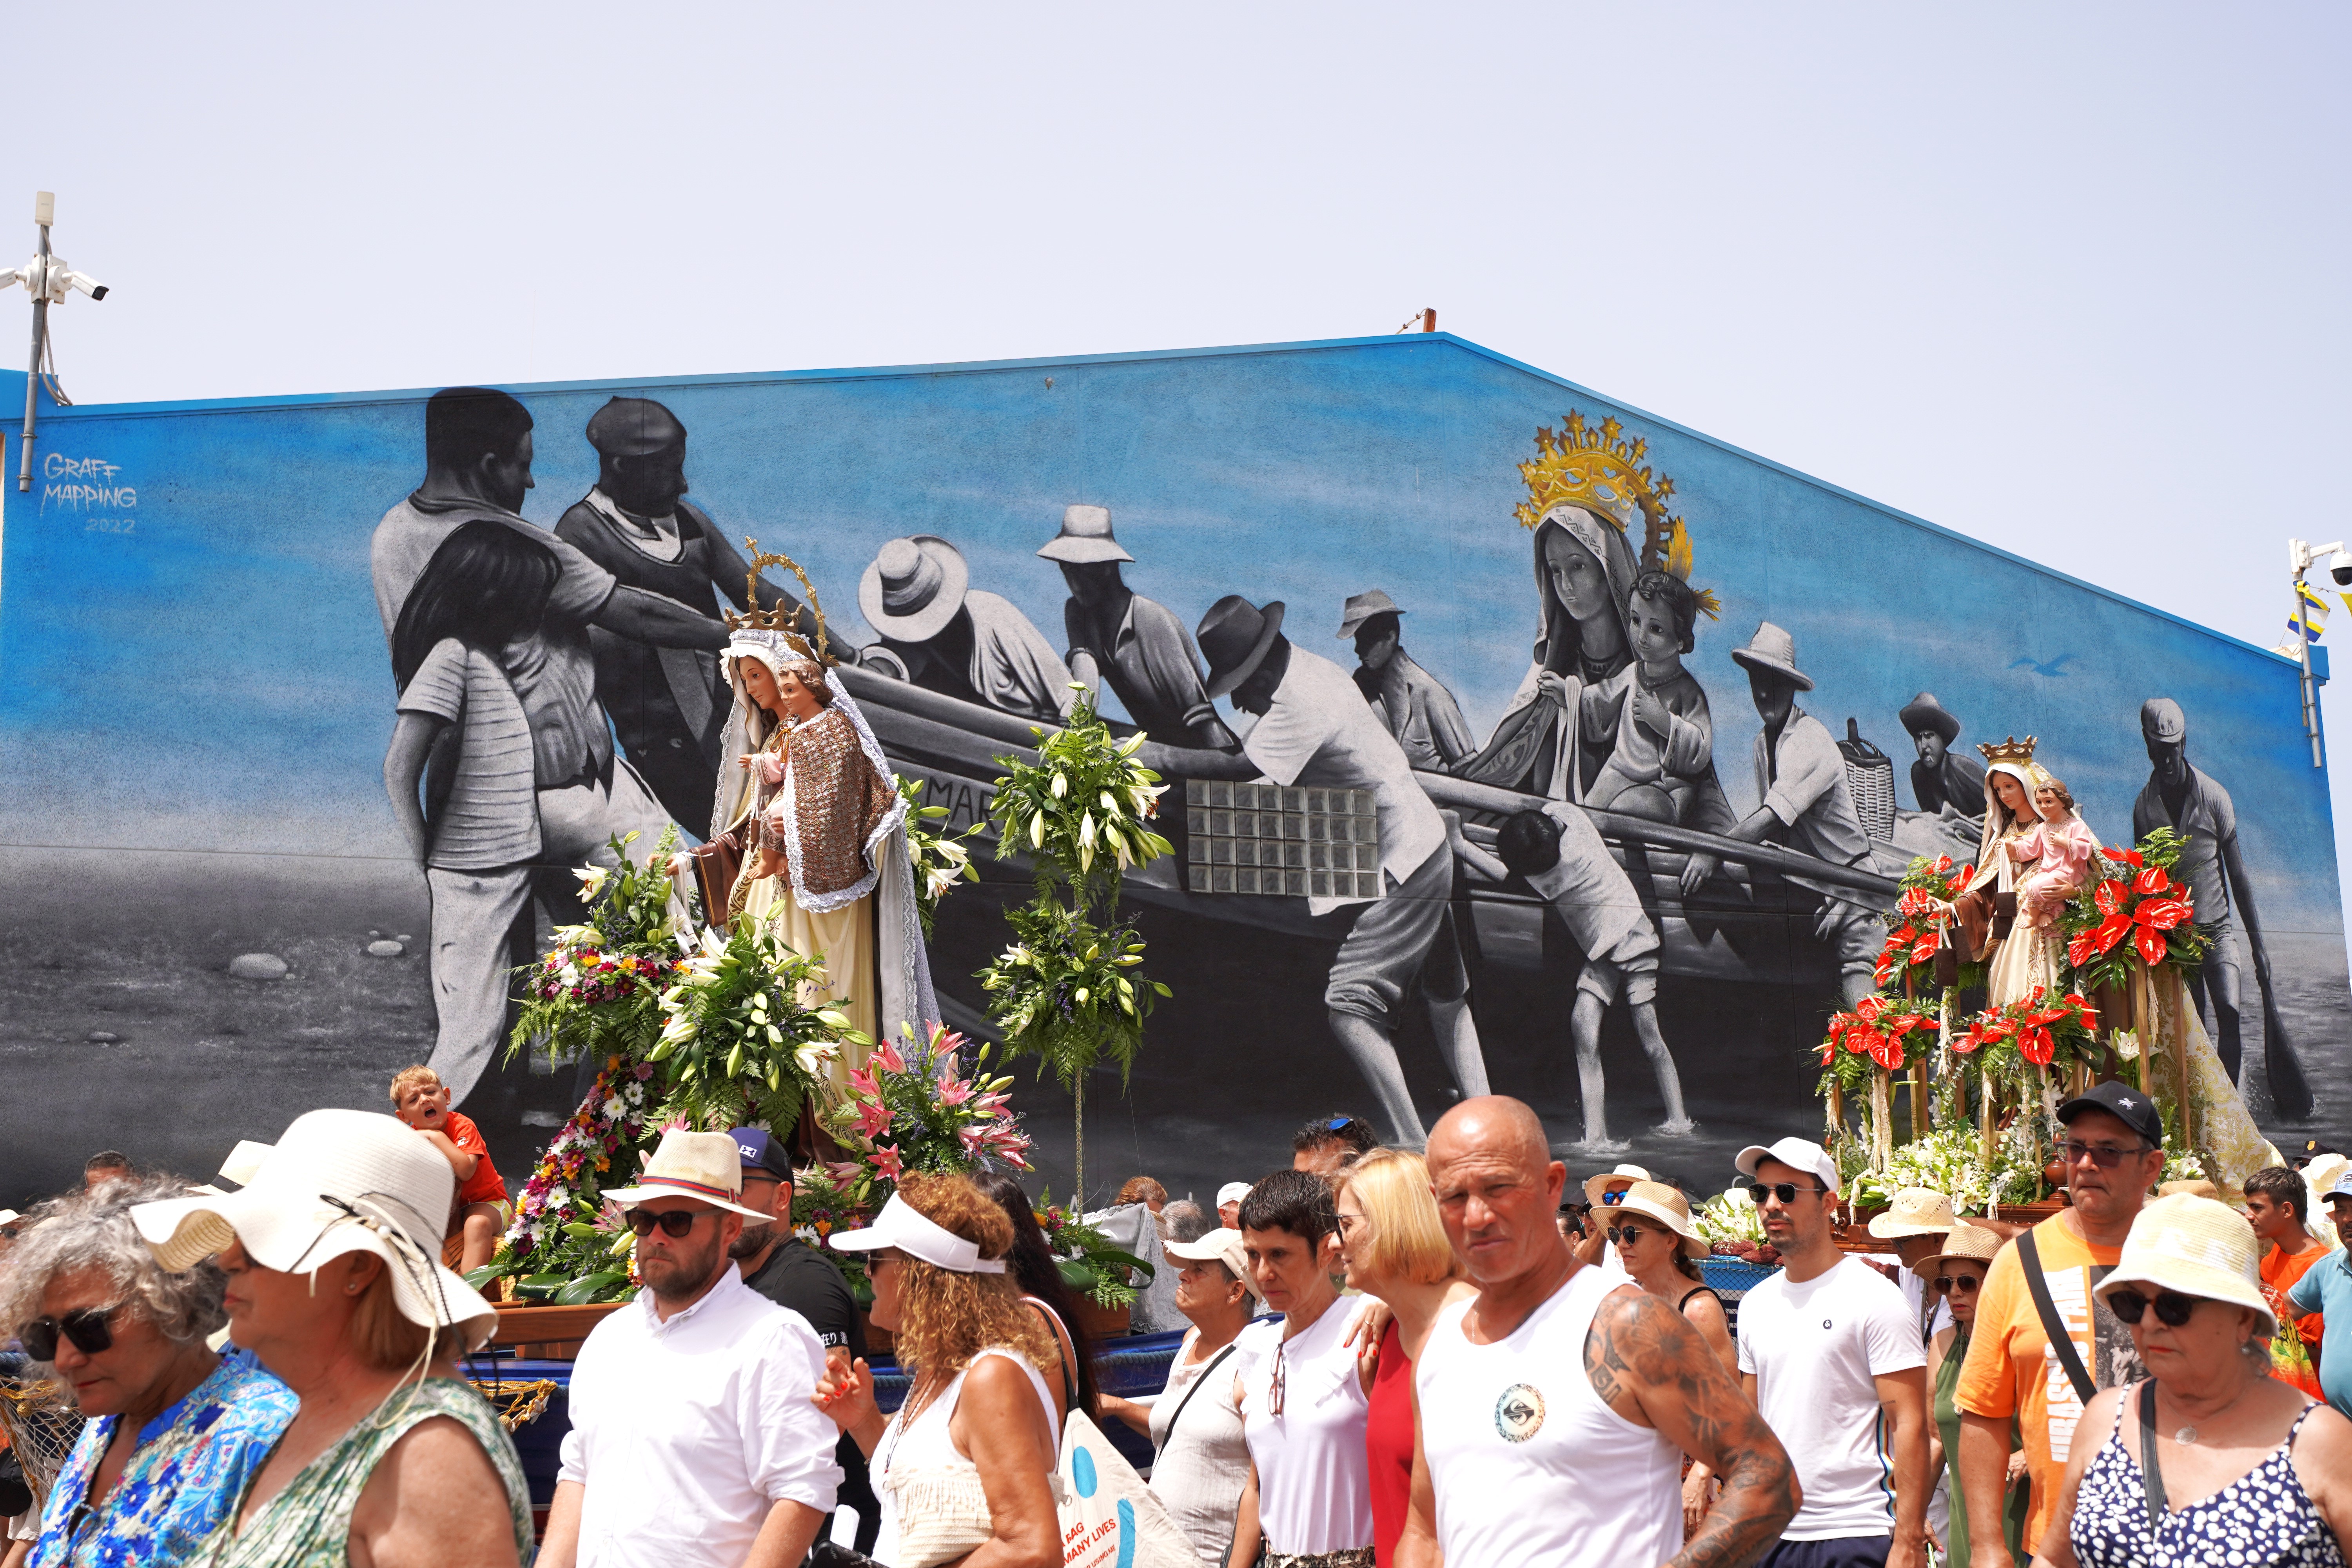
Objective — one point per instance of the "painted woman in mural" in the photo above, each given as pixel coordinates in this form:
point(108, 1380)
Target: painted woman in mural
point(1585, 584)
point(811, 802)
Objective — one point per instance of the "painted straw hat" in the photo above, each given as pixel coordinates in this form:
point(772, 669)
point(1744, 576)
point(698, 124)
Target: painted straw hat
point(913, 587)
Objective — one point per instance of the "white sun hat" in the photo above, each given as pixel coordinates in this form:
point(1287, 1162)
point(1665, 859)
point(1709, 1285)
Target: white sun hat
point(2198, 1248)
point(705, 1165)
point(1915, 1211)
point(1668, 1206)
point(903, 1225)
point(1595, 1186)
point(1232, 1193)
point(337, 1181)
point(1218, 1245)
point(244, 1161)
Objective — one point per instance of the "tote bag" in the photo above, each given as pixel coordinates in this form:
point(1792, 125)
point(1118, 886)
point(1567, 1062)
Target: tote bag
point(1111, 1519)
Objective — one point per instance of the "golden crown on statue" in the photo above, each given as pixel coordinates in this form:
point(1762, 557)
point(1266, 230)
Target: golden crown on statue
point(2012, 750)
point(789, 624)
point(1595, 467)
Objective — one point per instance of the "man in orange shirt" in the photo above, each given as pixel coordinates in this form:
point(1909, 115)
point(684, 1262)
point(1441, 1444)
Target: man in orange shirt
point(2114, 1153)
point(480, 1214)
point(2275, 1199)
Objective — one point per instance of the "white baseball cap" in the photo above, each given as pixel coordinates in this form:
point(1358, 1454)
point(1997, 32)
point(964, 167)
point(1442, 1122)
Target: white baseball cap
point(1232, 1193)
point(1217, 1246)
point(1802, 1153)
point(903, 1225)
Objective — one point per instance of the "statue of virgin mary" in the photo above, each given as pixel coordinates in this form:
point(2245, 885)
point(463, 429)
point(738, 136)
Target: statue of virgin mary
point(2017, 957)
point(811, 802)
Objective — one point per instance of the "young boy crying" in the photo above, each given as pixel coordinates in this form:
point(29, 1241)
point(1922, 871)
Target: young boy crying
point(420, 1099)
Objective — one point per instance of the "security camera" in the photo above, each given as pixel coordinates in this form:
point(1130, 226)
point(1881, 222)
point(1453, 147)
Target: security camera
point(2340, 568)
point(47, 278)
point(96, 291)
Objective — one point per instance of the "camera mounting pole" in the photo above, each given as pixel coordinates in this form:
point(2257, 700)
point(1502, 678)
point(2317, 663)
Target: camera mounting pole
point(45, 277)
point(2300, 559)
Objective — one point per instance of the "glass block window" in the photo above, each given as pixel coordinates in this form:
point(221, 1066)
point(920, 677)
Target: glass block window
point(1294, 842)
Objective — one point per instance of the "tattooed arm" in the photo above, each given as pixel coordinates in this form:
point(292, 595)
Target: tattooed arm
point(1651, 1367)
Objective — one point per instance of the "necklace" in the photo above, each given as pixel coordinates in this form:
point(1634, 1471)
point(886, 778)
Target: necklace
point(2184, 1436)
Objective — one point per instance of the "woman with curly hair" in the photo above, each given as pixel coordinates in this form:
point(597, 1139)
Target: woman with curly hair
point(173, 1430)
point(965, 1466)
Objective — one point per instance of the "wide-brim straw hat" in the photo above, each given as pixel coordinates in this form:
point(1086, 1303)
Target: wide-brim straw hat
point(1363, 607)
point(1971, 1242)
point(1596, 1185)
point(1923, 712)
point(1772, 649)
point(337, 1181)
point(1914, 1211)
point(706, 1166)
point(2198, 1248)
point(1086, 538)
point(1668, 1206)
point(914, 587)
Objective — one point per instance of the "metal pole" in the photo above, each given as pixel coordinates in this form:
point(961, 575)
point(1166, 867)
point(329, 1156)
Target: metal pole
point(2310, 693)
point(33, 374)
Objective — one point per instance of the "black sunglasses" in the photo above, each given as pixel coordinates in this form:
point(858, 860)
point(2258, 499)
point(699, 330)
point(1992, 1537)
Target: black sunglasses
point(677, 1222)
point(2172, 1308)
point(1628, 1231)
point(88, 1329)
point(1785, 1190)
point(1965, 1284)
point(2100, 1154)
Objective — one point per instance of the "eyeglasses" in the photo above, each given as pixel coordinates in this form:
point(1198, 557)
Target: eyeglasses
point(1785, 1190)
point(2107, 1156)
point(1613, 1199)
point(1274, 1388)
point(2172, 1308)
point(1628, 1232)
point(675, 1223)
point(1965, 1284)
point(88, 1329)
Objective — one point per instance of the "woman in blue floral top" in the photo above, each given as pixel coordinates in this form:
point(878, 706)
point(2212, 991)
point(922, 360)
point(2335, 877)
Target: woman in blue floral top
point(174, 1430)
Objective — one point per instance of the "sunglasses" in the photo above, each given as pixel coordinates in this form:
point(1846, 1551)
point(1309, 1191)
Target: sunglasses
point(675, 1223)
point(1966, 1284)
point(1612, 1199)
point(1630, 1233)
point(87, 1330)
point(2106, 1156)
point(1785, 1190)
point(2172, 1308)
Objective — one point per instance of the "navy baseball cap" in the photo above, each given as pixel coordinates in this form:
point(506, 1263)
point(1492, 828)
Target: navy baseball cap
point(761, 1153)
point(2121, 1100)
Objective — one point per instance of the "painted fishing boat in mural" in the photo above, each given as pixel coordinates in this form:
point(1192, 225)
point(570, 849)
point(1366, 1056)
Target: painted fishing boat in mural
point(1748, 923)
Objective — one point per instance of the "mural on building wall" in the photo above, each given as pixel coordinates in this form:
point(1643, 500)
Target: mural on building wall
point(1515, 740)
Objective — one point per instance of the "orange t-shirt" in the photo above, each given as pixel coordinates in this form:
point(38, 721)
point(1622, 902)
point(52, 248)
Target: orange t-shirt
point(2280, 1272)
point(2010, 1371)
point(485, 1185)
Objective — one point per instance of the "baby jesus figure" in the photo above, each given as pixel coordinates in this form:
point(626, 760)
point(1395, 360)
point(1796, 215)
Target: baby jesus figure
point(2060, 848)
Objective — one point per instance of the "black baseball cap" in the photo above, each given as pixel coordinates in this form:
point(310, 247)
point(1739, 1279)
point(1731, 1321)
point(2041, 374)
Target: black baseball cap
point(2127, 1104)
point(2312, 1150)
point(761, 1153)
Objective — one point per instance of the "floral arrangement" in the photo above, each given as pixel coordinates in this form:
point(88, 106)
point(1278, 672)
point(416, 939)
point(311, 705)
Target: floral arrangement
point(737, 1047)
point(2036, 1031)
point(598, 989)
point(1949, 1160)
point(566, 1242)
point(1068, 990)
point(1089, 1263)
point(1920, 919)
point(2133, 911)
point(939, 859)
point(1882, 1032)
point(1732, 1226)
point(912, 1110)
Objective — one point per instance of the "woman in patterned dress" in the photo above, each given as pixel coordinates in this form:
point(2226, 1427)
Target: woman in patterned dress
point(335, 1283)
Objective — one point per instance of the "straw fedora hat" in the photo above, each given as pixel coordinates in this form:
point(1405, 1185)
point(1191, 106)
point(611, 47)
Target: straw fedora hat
point(913, 588)
point(1085, 537)
point(1235, 637)
point(1966, 1240)
point(1775, 650)
point(2198, 1248)
point(1596, 1185)
point(337, 1182)
point(1915, 1211)
point(704, 1165)
point(1363, 607)
point(1667, 1205)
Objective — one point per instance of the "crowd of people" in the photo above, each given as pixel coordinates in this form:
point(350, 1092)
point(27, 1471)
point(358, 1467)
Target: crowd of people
point(1393, 1357)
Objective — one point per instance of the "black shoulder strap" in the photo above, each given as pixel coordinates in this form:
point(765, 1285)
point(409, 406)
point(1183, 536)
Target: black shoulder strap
point(2061, 1343)
point(1213, 1362)
point(2151, 1473)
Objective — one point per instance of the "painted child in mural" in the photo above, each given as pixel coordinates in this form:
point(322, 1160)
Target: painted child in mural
point(811, 801)
point(1652, 715)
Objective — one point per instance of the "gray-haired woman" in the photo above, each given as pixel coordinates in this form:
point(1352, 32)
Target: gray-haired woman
point(173, 1430)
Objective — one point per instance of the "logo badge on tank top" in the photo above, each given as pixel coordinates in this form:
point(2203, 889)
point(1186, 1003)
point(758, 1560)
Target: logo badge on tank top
point(1519, 1413)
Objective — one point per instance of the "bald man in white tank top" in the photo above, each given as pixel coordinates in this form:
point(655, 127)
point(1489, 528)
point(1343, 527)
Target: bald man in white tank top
point(1553, 1409)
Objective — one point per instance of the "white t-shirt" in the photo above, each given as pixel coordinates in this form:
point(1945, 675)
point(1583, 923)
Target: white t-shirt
point(1314, 1477)
point(1814, 1348)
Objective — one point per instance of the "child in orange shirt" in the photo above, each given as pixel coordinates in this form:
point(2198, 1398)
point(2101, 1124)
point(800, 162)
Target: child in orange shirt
point(420, 1099)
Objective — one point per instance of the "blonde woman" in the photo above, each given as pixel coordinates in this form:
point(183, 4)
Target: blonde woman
point(1396, 1249)
point(965, 1466)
